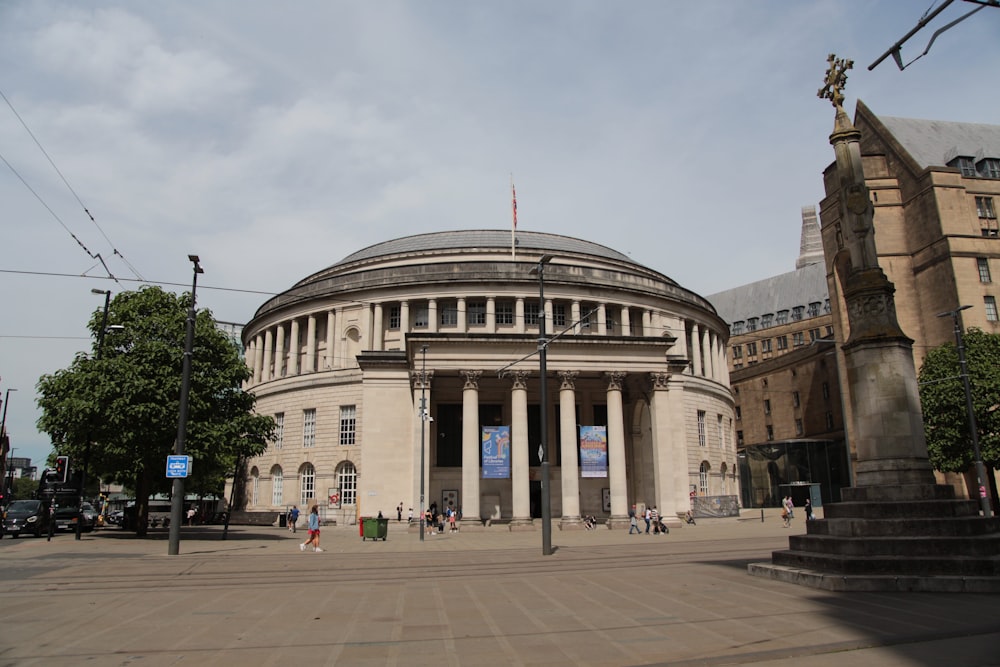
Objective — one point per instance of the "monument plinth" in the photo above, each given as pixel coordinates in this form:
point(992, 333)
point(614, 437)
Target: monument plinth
point(895, 529)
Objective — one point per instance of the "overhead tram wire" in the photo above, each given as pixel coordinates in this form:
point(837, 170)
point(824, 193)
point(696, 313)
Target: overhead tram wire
point(72, 191)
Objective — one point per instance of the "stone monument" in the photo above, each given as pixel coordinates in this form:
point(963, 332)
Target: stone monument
point(896, 529)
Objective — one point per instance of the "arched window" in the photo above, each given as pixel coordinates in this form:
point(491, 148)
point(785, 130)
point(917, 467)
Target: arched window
point(347, 476)
point(703, 478)
point(254, 486)
point(307, 485)
point(277, 484)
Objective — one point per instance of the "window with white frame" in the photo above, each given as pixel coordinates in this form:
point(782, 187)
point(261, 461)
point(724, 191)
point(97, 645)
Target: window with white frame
point(476, 312)
point(309, 427)
point(766, 320)
point(307, 485)
point(814, 309)
point(765, 345)
point(703, 478)
point(737, 327)
point(348, 424)
point(701, 428)
point(558, 315)
point(394, 317)
point(797, 312)
point(989, 167)
point(782, 317)
point(782, 342)
point(965, 164)
point(991, 308)
point(505, 312)
point(531, 313)
point(279, 430)
point(277, 486)
point(347, 478)
point(798, 338)
point(421, 317)
point(983, 265)
point(737, 351)
point(752, 323)
point(449, 314)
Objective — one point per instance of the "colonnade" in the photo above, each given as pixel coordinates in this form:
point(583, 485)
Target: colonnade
point(279, 351)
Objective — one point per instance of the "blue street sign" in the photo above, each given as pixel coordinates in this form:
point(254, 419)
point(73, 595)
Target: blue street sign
point(178, 466)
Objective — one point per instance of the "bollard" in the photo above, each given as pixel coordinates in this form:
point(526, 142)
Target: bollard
point(762, 515)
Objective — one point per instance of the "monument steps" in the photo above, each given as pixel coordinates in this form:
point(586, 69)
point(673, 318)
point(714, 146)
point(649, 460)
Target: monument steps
point(900, 509)
point(980, 546)
point(950, 565)
point(906, 527)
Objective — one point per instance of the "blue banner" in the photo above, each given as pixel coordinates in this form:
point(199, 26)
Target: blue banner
point(496, 452)
point(593, 451)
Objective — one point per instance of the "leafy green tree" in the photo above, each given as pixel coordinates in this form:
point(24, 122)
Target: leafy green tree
point(942, 398)
point(120, 412)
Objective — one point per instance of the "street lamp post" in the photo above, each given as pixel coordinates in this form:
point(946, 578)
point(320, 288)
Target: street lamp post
point(423, 431)
point(984, 496)
point(177, 499)
point(3, 436)
point(86, 451)
point(543, 399)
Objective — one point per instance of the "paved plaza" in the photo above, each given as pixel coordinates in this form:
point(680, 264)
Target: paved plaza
point(473, 598)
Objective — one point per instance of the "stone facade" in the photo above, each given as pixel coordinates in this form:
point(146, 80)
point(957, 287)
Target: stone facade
point(345, 358)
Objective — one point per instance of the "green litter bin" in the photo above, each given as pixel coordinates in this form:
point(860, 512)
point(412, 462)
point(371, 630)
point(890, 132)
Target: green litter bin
point(374, 528)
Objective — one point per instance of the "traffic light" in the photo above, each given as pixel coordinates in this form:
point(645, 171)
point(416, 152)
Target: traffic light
point(62, 469)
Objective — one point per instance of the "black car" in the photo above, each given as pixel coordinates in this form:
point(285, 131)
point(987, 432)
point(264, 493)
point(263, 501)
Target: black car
point(26, 516)
point(67, 515)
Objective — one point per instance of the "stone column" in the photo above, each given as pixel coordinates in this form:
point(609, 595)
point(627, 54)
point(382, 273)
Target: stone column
point(574, 314)
point(568, 436)
point(258, 358)
point(310, 345)
point(293, 348)
point(265, 375)
point(432, 315)
point(471, 443)
point(463, 319)
point(519, 481)
point(377, 329)
point(491, 314)
point(695, 349)
point(602, 320)
point(519, 315)
point(404, 319)
point(617, 476)
point(670, 476)
point(331, 340)
point(706, 350)
point(279, 352)
point(626, 322)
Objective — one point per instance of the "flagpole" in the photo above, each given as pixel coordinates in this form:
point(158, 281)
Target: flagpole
point(513, 226)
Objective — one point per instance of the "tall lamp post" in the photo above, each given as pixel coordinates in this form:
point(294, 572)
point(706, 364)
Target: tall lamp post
point(984, 496)
point(86, 451)
point(177, 499)
point(3, 438)
point(423, 432)
point(543, 399)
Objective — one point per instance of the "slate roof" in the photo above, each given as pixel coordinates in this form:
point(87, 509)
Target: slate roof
point(782, 292)
point(936, 142)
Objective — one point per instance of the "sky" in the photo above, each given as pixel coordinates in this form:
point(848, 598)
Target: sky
point(274, 139)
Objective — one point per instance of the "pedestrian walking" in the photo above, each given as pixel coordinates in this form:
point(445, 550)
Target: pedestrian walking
point(648, 518)
point(809, 510)
point(293, 518)
point(313, 530)
point(655, 517)
point(633, 522)
point(790, 506)
point(399, 512)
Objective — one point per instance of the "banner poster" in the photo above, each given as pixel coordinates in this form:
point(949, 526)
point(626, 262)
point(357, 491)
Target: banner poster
point(593, 451)
point(496, 452)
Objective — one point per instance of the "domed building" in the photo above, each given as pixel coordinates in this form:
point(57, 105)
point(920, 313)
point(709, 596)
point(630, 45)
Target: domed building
point(424, 352)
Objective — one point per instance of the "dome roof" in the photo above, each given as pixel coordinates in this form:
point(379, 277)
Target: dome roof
point(483, 239)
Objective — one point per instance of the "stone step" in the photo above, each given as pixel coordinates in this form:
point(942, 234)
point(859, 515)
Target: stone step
point(890, 565)
point(902, 527)
point(897, 492)
point(980, 546)
point(910, 509)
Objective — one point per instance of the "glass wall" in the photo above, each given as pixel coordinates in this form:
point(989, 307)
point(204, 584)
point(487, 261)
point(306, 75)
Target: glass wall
point(766, 471)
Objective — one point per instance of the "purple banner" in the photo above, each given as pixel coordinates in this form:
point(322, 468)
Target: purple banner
point(496, 452)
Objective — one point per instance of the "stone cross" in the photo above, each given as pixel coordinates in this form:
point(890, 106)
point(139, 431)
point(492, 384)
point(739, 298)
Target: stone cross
point(836, 78)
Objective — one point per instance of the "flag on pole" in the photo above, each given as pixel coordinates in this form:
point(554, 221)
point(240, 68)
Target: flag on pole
point(513, 202)
point(513, 227)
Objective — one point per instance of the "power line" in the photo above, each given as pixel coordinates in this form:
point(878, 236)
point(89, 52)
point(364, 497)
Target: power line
point(136, 280)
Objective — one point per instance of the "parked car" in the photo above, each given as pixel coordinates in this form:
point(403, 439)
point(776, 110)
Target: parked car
point(26, 516)
point(114, 518)
point(67, 516)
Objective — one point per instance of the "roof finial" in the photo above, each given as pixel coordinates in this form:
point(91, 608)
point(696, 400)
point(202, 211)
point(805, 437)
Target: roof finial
point(836, 77)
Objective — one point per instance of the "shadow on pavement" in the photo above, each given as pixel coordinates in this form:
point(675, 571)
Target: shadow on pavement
point(206, 533)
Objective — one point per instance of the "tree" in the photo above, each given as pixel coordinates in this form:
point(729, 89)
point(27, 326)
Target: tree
point(942, 398)
point(120, 412)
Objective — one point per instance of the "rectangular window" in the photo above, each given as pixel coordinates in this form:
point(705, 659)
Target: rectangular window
point(765, 345)
point(964, 164)
point(701, 428)
point(394, 317)
point(782, 317)
point(798, 427)
point(795, 399)
point(277, 487)
point(348, 419)
point(829, 330)
point(449, 314)
point(531, 313)
point(829, 421)
point(737, 351)
point(722, 433)
point(797, 312)
point(279, 430)
point(983, 265)
point(798, 338)
point(782, 342)
point(766, 320)
point(984, 208)
point(770, 432)
point(309, 427)
point(505, 312)
point(737, 328)
point(739, 438)
point(991, 308)
point(767, 406)
point(751, 349)
point(558, 315)
point(813, 334)
point(826, 390)
point(814, 309)
point(752, 323)
point(739, 413)
point(421, 317)
point(989, 167)
point(476, 312)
